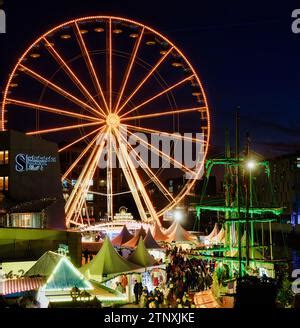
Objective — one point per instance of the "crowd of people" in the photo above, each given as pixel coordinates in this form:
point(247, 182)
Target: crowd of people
point(184, 277)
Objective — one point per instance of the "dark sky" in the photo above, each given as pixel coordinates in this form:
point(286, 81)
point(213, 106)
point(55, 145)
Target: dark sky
point(244, 52)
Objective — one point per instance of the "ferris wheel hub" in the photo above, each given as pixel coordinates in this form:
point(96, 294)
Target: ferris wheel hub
point(113, 120)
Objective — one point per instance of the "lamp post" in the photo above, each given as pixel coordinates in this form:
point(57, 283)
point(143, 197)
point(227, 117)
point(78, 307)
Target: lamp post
point(250, 166)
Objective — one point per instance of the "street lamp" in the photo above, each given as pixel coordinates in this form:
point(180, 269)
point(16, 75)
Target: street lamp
point(250, 164)
point(178, 216)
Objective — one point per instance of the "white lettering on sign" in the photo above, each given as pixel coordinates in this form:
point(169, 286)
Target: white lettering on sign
point(24, 162)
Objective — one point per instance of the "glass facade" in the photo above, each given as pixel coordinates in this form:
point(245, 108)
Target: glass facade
point(26, 220)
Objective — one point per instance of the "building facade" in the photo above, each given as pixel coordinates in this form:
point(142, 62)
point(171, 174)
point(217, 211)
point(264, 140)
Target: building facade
point(30, 183)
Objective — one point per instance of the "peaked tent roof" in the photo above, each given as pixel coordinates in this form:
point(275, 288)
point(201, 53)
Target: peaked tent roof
point(180, 234)
point(158, 234)
point(149, 241)
point(107, 261)
point(123, 237)
point(60, 272)
point(45, 265)
point(134, 240)
point(65, 276)
point(213, 233)
point(140, 256)
point(219, 237)
point(168, 231)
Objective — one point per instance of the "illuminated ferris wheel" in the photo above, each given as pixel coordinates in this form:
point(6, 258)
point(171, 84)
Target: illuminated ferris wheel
point(96, 82)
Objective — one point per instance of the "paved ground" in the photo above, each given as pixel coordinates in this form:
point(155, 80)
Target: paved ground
point(205, 299)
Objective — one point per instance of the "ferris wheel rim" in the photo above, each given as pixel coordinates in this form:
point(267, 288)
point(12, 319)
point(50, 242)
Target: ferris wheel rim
point(184, 192)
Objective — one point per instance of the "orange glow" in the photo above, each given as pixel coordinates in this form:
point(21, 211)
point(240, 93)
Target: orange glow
point(129, 68)
point(145, 79)
point(72, 75)
point(78, 140)
point(90, 65)
point(158, 95)
point(70, 127)
point(172, 112)
point(58, 89)
point(58, 28)
point(51, 109)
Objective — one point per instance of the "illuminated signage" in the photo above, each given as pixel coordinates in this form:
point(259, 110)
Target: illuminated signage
point(24, 162)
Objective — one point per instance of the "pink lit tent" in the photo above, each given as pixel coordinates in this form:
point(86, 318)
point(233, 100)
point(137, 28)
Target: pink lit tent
point(134, 240)
point(213, 233)
point(157, 234)
point(180, 234)
point(219, 238)
point(123, 237)
point(168, 231)
point(150, 242)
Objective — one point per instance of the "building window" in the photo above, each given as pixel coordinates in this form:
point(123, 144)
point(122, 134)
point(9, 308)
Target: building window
point(3, 183)
point(89, 197)
point(3, 157)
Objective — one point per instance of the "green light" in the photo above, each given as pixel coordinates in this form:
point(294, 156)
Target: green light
point(253, 210)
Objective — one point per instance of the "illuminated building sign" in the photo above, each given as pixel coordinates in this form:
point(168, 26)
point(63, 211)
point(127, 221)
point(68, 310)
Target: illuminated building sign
point(24, 162)
point(123, 215)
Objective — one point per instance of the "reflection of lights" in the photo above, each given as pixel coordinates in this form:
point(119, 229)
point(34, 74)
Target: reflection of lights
point(250, 164)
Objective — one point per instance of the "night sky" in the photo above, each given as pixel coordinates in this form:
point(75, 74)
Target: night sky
point(244, 52)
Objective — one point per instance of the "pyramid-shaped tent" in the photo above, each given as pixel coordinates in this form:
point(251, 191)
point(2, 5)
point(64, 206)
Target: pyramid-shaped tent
point(45, 265)
point(149, 241)
point(123, 237)
point(157, 233)
point(134, 240)
point(141, 256)
point(65, 276)
point(180, 234)
point(107, 262)
point(213, 233)
point(168, 231)
point(219, 238)
point(59, 271)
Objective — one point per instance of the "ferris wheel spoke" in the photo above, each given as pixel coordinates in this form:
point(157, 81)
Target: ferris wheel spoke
point(129, 68)
point(82, 184)
point(64, 128)
point(72, 75)
point(50, 109)
point(87, 148)
point(58, 89)
point(110, 65)
point(130, 180)
point(162, 154)
point(145, 79)
point(164, 113)
point(151, 174)
point(90, 65)
point(78, 140)
point(158, 95)
point(109, 177)
point(140, 185)
point(80, 180)
point(169, 135)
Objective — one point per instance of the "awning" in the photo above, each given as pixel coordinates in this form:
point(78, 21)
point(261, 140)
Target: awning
point(12, 286)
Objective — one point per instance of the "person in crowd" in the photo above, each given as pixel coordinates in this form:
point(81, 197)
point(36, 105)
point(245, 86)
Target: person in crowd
point(86, 256)
point(136, 291)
